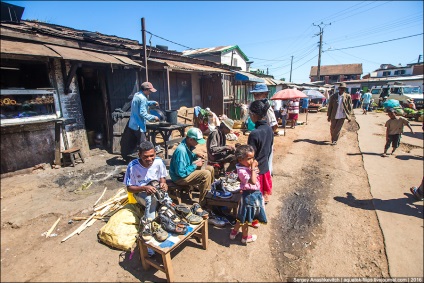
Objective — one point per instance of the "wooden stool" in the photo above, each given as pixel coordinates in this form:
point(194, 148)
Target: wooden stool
point(200, 232)
point(232, 203)
point(175, 191)
point(68, 156)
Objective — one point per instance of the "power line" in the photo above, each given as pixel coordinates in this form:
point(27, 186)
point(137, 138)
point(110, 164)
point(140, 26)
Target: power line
point(375, 42)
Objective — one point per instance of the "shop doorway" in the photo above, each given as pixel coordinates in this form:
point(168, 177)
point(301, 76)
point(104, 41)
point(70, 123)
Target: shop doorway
point(92, 88)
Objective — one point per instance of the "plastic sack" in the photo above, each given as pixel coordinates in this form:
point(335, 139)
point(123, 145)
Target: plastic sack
point(391, 103)
point(250, 125)
point(122, 228)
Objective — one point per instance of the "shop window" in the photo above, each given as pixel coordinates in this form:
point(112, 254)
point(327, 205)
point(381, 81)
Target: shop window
point(25, 91)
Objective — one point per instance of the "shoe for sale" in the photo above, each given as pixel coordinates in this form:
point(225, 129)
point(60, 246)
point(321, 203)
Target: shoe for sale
point(159, 234)
point(184, 211)
point(146, 229)
point(170, 226)
point(197, 210)
point(249, 239)
point(218, 190)
point(233, 234)
point(216, 222)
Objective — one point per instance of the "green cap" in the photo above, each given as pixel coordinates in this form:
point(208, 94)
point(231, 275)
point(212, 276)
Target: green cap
point(196, 134)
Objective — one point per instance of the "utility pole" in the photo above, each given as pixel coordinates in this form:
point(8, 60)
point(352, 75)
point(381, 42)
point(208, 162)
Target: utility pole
point(321, 31)
point(420, 57)
point(291, 67)
point(143, 33)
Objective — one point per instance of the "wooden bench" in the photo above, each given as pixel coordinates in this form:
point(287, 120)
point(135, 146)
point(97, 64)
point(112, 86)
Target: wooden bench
point(68, 156)
point(232, 203)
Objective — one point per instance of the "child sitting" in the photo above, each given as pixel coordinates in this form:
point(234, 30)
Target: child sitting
point(251, 209)
point(394, 131)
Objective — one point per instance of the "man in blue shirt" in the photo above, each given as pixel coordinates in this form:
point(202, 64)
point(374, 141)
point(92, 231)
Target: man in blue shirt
point(183, 169)
point(136, 132)
point(366, 100)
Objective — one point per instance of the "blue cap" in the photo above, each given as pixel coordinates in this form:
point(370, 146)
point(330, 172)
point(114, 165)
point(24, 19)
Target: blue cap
point(260, 87)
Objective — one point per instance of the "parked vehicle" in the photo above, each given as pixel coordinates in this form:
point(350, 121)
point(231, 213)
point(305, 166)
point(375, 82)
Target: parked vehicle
point(398, 92)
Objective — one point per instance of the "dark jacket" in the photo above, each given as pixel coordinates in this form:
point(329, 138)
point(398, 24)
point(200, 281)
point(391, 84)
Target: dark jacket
point(216, 145)
point(334, 102)
point(262, 139)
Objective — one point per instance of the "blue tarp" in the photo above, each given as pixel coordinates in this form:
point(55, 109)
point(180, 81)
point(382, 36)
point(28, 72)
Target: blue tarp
point(247, 77)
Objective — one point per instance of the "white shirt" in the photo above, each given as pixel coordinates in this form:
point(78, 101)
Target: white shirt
point(340, 114)
point(270, 117)
point(137, 175)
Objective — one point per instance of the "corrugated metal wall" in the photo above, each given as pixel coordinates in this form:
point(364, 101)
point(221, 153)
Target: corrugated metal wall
point(212, 93)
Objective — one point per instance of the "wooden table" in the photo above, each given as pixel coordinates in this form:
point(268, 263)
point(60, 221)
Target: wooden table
point(231, 203)
point(200, 232)
point(165, 130)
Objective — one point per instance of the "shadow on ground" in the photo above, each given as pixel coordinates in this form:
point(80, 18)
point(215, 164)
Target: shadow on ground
point(313, 141)
point(403, 206)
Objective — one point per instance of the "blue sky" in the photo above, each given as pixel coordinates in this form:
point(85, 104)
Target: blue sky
point(268, 32)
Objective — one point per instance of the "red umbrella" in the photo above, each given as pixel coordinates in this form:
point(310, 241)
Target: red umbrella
point(288, 94)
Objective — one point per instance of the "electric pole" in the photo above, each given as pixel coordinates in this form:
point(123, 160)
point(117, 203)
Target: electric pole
point(143, 33)
point(321, 31)
point(291, 67)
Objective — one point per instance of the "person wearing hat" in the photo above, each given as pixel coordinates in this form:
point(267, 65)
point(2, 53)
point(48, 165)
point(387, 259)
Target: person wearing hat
point(213, 121)
point(218, 150)
point(136, 131)
point(394, 131)
point(260, 92)
point(186, 167)
point(339, 109)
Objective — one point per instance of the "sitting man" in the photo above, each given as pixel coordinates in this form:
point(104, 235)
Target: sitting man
point(183, 169)
point(140, 172)
point(218, 151)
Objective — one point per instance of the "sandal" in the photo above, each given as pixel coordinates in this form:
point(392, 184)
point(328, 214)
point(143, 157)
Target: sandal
point(197, 210)
point(183, 211)
point(170, 226)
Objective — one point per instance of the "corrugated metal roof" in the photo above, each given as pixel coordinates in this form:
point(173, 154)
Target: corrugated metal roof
point(127, 60)
point(24, 48)
point(189, 66)
point(220, 49)
point(389, 79)
point(84, 55)
point(343, 69)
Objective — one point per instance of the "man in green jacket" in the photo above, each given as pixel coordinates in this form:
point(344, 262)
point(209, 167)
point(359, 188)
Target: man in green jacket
point(183, 169)
point(339, 109)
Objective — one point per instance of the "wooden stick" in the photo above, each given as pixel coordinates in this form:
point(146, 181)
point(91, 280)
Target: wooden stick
point(100, 197)
point(79, 218)
point(52, 228)
point(112, 198)
point(110, 202)
point(76, 231)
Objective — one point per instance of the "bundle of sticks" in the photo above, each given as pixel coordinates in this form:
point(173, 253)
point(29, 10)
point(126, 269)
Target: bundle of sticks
point(101, 211)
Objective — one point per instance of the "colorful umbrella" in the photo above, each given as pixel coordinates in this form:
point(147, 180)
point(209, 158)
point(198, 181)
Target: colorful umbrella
point(288, 94)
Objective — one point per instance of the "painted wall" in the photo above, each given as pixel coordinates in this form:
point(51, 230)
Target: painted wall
point(226, 59)
point(408, 72)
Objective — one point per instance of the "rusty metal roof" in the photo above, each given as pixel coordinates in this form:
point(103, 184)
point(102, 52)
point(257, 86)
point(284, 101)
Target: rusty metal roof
point(24, 48)
point(189, 66)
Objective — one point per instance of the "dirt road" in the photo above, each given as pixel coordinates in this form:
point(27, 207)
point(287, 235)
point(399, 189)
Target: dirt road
point(312, 230)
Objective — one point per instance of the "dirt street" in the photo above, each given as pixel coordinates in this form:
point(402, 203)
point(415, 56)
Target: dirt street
point(316, 227)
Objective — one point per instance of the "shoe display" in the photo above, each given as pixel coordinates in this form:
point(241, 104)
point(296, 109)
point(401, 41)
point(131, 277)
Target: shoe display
point(184, 211)
point(218, 190)
point(216, 222)
point(170, 226)
point(197, 210)
point(249, 239)
point(158, 233)
point(146, 229)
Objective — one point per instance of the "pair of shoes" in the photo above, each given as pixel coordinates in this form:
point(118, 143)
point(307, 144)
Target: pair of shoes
point(146, 229)
point(184, 211)
point(255, 224)
point(233, 234)
point(197, 210)
point(218, 190)
point(216, 222)
point(249, 239)
point(157, 231)
point(170, 226)
point(415, 193)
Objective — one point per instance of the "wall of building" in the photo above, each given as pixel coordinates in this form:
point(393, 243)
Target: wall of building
point(408, 72)
point(195, 88)
point(226, 59)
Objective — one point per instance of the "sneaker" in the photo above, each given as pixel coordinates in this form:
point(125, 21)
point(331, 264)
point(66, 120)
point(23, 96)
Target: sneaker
point(233, 234)
point(170, 226)
point(146, 229)
point(249, 239)
point(255, 224)
point(415, 193)
point(159, 234)
point(216, 222)
point(197, 210)
point(184, 211)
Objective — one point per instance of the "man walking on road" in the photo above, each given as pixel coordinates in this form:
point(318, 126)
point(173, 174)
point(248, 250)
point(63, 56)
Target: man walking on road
point(339, 109)
point(366, 100)
point(136, 132)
